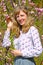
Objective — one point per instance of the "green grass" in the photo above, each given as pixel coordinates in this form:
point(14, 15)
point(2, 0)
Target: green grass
point(39, 59)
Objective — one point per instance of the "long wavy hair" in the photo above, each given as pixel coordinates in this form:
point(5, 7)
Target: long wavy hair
point(16, 26)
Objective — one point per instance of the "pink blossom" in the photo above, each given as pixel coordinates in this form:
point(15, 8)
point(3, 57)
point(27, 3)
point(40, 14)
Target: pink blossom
point(29, 0)
point(32, 4)
point(39, 9)
point(23, 1)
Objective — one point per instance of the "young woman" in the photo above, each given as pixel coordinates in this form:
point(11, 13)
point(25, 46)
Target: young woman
point(27, 42)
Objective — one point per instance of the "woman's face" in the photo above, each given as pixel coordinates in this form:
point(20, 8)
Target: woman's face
point(21, 17)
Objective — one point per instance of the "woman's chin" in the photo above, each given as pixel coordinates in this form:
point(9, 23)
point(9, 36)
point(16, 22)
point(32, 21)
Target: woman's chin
point(22, 23)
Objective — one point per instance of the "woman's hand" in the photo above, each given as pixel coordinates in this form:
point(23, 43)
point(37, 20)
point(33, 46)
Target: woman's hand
point(9, 22)
point(16, 52)
point(9, 25)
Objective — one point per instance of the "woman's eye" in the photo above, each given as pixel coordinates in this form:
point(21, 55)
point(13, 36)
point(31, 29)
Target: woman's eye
point(22, 15)
point(17, 16)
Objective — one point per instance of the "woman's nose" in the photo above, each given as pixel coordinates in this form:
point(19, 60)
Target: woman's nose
point(20, 17)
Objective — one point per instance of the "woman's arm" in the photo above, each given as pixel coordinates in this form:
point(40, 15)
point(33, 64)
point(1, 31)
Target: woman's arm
point(6, 40)
point(37, 47)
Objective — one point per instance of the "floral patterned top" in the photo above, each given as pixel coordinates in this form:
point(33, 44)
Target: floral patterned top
point(28, 43)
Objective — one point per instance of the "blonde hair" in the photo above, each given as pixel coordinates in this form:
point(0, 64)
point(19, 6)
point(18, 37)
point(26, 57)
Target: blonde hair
point(16, 27)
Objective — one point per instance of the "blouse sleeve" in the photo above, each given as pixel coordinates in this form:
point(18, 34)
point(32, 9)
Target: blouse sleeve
point(6, 40)
point(37, 47)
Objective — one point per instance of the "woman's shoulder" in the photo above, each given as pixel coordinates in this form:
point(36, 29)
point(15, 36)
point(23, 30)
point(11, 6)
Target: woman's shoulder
point(33, 28)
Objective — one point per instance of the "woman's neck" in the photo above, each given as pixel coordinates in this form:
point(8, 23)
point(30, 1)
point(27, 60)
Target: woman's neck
point(20, 28)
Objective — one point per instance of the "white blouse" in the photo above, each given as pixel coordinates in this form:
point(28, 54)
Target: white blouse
point(28, 43)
